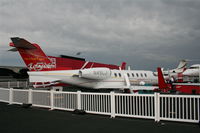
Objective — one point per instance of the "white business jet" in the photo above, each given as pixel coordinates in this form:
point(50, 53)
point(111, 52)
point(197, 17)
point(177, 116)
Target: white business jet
point(97, 78)
point(45, 71)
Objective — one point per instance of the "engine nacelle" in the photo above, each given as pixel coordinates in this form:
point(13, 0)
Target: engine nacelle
point(95, 73)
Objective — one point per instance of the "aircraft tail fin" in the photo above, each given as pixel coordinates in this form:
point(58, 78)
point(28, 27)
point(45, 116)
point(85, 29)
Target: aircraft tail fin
point(32, 55)
point(182, 64)
point(161, 81)
point(123, 66)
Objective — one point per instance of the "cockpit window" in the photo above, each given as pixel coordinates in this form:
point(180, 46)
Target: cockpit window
point(194, 68)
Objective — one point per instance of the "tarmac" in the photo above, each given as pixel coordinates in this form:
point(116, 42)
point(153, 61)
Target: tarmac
point(17, 119)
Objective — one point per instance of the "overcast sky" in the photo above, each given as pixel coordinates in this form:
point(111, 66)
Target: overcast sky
point(143, 33)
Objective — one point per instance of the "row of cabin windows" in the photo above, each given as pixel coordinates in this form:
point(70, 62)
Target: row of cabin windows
point(132, 75)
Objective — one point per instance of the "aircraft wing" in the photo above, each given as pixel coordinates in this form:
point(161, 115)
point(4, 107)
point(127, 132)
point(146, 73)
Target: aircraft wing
point(40, 78)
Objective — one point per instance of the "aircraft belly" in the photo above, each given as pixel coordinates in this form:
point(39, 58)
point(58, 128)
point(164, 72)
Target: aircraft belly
point(80, 82)
point(111, 83)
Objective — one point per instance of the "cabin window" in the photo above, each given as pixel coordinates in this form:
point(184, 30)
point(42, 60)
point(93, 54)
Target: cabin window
point(115, 74)
point(120, 75)
point(133, 74)
point(145, 75)
point(137, 74)
point(141, 75)
point(128, 74)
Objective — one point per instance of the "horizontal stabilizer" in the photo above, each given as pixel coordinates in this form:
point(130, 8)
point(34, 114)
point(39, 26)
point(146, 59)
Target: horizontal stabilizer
point(21, 43)
point(13, 49)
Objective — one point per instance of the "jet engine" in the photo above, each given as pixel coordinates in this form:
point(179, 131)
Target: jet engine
point(95, 73)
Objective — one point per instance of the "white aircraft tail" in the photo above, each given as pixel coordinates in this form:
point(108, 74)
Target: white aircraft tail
point(182, 64)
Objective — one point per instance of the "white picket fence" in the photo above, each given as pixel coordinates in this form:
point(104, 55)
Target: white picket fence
point(182, 108)
point(12, 84)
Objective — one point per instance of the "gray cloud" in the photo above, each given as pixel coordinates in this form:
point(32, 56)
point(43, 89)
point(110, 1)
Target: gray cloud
point(144, 33)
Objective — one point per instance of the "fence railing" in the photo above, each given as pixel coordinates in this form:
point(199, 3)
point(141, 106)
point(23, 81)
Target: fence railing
point(136, 105)
point(13, 84)
point(179, 108)
point(183, 108)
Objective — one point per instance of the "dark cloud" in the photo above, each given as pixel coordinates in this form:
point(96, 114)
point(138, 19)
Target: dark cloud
point(144, 33)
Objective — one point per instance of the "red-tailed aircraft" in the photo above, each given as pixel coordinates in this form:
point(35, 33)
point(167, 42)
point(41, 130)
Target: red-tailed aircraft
point(48, 71)
point(187, 88)
point(36, 60)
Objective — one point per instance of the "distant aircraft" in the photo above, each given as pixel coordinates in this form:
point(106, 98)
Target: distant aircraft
point(187, 88)
point(177, 73)
point(193, 70)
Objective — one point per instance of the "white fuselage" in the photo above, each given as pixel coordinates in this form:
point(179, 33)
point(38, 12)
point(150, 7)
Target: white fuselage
point(97, 78)
point(193, 70)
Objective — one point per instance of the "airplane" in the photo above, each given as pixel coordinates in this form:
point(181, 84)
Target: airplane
point(180, 68)
point(177, 73)
point(96, 78)
point(187, 88)
point(43, 70)
point(36, 60)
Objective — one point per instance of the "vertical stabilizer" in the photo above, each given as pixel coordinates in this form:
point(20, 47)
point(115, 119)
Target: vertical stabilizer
point(182, 64)
point(32, 55)
point(161, 81)
point(123, 66)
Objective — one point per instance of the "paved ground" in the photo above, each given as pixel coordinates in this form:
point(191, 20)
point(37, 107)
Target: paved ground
point(15, 119)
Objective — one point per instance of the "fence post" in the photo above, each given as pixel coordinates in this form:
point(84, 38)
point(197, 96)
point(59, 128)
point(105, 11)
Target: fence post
point(79, 100)
point(18, 83)
point(9, 84)
point(112, 94)
point(157, 106)
point(30, 96)
point(52, 99)
point(26, 84)
point(11, 96)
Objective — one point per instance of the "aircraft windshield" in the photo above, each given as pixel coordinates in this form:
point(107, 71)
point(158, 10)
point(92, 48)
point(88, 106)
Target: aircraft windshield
point(194, 68)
